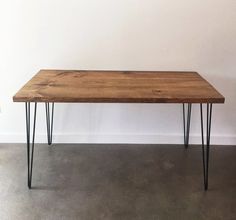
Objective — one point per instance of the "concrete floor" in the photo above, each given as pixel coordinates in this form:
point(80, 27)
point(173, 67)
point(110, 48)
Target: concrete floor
point(93, 182)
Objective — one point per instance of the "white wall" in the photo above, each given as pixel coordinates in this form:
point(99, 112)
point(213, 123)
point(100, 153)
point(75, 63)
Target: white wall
point(195, 35)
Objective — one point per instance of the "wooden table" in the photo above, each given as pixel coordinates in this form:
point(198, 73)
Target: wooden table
point(72, 86)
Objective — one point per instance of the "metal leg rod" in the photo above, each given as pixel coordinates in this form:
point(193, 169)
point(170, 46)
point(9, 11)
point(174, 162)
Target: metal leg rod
point(30, 146)
point(187, 123)
point(49, 121)
point(206, 144)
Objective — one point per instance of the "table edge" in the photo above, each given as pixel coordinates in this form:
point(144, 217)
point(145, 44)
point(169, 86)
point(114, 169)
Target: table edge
point(120, 100)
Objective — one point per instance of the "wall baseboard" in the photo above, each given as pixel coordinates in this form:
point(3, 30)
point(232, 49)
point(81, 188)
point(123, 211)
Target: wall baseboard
point(118, 138)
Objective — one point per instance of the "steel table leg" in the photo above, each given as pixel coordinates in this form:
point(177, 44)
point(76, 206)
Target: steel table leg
point(49, 121)
point(186, 121)
point(30, 146)
point(206, 143)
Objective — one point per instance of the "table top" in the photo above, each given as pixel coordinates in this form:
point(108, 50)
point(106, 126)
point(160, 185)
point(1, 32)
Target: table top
point(118, 87)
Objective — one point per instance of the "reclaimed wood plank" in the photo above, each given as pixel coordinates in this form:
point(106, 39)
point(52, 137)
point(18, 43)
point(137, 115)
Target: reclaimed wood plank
point(118, 87)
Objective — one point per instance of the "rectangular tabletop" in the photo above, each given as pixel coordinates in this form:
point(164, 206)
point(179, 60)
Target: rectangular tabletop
point(118, 87)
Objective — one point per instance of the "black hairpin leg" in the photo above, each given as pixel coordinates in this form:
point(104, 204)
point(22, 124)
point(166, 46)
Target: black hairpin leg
point(206, 145)
point(30, 146)
point(49, 121)
point(187, 120)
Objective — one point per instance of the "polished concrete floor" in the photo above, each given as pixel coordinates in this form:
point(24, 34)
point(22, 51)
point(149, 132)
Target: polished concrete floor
point(93, 182)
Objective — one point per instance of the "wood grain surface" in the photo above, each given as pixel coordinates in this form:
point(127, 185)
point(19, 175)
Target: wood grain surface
point(118, 87)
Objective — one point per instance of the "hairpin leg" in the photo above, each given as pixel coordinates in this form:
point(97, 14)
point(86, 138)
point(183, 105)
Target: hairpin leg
point(49, 121)
point(206, 145)
point(30, 146)
point(187, 120)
